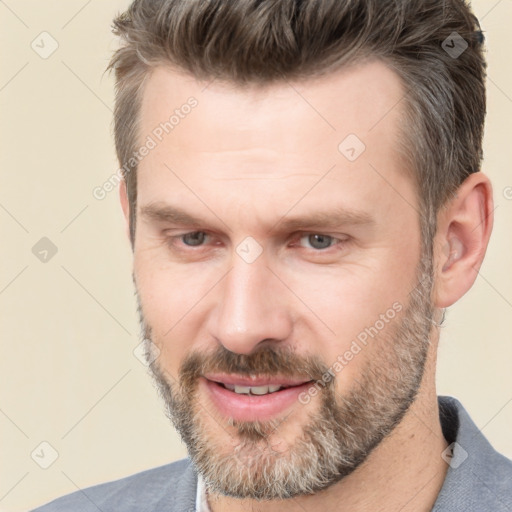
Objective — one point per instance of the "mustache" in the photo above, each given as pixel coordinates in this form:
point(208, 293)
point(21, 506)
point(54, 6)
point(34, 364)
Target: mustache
point(266, 361)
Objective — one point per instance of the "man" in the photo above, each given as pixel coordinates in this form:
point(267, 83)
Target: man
point(303, 195)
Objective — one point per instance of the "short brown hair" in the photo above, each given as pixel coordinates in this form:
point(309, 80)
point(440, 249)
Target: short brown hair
point(252, 42)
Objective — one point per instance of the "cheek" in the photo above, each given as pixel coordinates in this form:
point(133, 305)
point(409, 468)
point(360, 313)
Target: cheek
point(350, 296)
point(357, 308)
point(345, 305)
point(363, 318)
point(173, 301)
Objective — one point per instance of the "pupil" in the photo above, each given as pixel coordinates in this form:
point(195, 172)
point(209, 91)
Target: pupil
point(320, 241)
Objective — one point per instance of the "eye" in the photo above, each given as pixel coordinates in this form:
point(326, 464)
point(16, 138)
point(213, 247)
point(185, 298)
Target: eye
point(191, 244)
point(318, 241)
point(193, 239)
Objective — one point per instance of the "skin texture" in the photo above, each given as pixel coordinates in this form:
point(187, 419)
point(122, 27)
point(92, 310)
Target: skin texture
point(244, 162)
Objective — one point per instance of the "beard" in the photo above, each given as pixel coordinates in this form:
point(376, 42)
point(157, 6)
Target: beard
point(335, 437)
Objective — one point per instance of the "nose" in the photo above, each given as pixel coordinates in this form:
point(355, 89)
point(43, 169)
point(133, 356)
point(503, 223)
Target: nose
point(251, 308)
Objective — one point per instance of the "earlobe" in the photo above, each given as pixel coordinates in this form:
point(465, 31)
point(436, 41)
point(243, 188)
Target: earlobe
point(464, 228)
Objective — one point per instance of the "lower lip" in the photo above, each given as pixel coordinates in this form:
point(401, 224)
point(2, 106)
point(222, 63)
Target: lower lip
point(252, 407)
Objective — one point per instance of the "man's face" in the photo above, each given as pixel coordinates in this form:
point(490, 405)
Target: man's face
point(271, 249)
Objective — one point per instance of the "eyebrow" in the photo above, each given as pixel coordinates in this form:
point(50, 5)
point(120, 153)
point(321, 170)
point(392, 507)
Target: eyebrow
point(327, 219)
point(161, 212)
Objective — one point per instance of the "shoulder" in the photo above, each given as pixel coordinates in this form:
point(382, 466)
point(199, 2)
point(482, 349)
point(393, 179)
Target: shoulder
point(478, 477)
point(147, 490)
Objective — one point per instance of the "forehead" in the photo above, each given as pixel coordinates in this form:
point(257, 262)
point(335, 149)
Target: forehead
point(262, 139)
point(362, 99)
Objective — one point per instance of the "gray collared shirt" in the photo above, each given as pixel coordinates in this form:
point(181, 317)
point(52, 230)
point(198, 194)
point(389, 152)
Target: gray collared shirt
point(478, 480)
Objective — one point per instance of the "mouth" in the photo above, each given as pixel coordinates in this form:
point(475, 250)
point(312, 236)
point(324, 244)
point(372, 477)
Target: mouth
point(253, 399)
point(253, 390)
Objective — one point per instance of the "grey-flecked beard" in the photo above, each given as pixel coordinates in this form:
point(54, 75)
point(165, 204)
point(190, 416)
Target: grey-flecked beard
point(335, 439)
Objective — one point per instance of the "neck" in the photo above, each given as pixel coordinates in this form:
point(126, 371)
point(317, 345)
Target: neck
point(405, 472)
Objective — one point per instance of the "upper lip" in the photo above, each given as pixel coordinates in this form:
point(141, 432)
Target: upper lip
point(237, 380)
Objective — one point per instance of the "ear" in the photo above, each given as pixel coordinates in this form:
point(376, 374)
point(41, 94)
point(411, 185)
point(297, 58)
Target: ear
point(463, 231)
point(125, 205)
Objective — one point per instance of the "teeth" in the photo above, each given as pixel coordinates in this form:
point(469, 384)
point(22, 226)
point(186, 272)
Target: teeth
point(259, 390)
point(253, 390)
point(242, 389)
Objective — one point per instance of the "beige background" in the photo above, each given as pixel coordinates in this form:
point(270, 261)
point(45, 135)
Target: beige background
point(69, 327)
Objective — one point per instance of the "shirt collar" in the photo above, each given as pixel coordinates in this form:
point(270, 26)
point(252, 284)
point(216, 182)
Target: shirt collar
point(201, 500)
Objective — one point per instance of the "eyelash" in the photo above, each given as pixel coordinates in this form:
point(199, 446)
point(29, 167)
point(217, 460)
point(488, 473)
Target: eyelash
point(336, 242)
